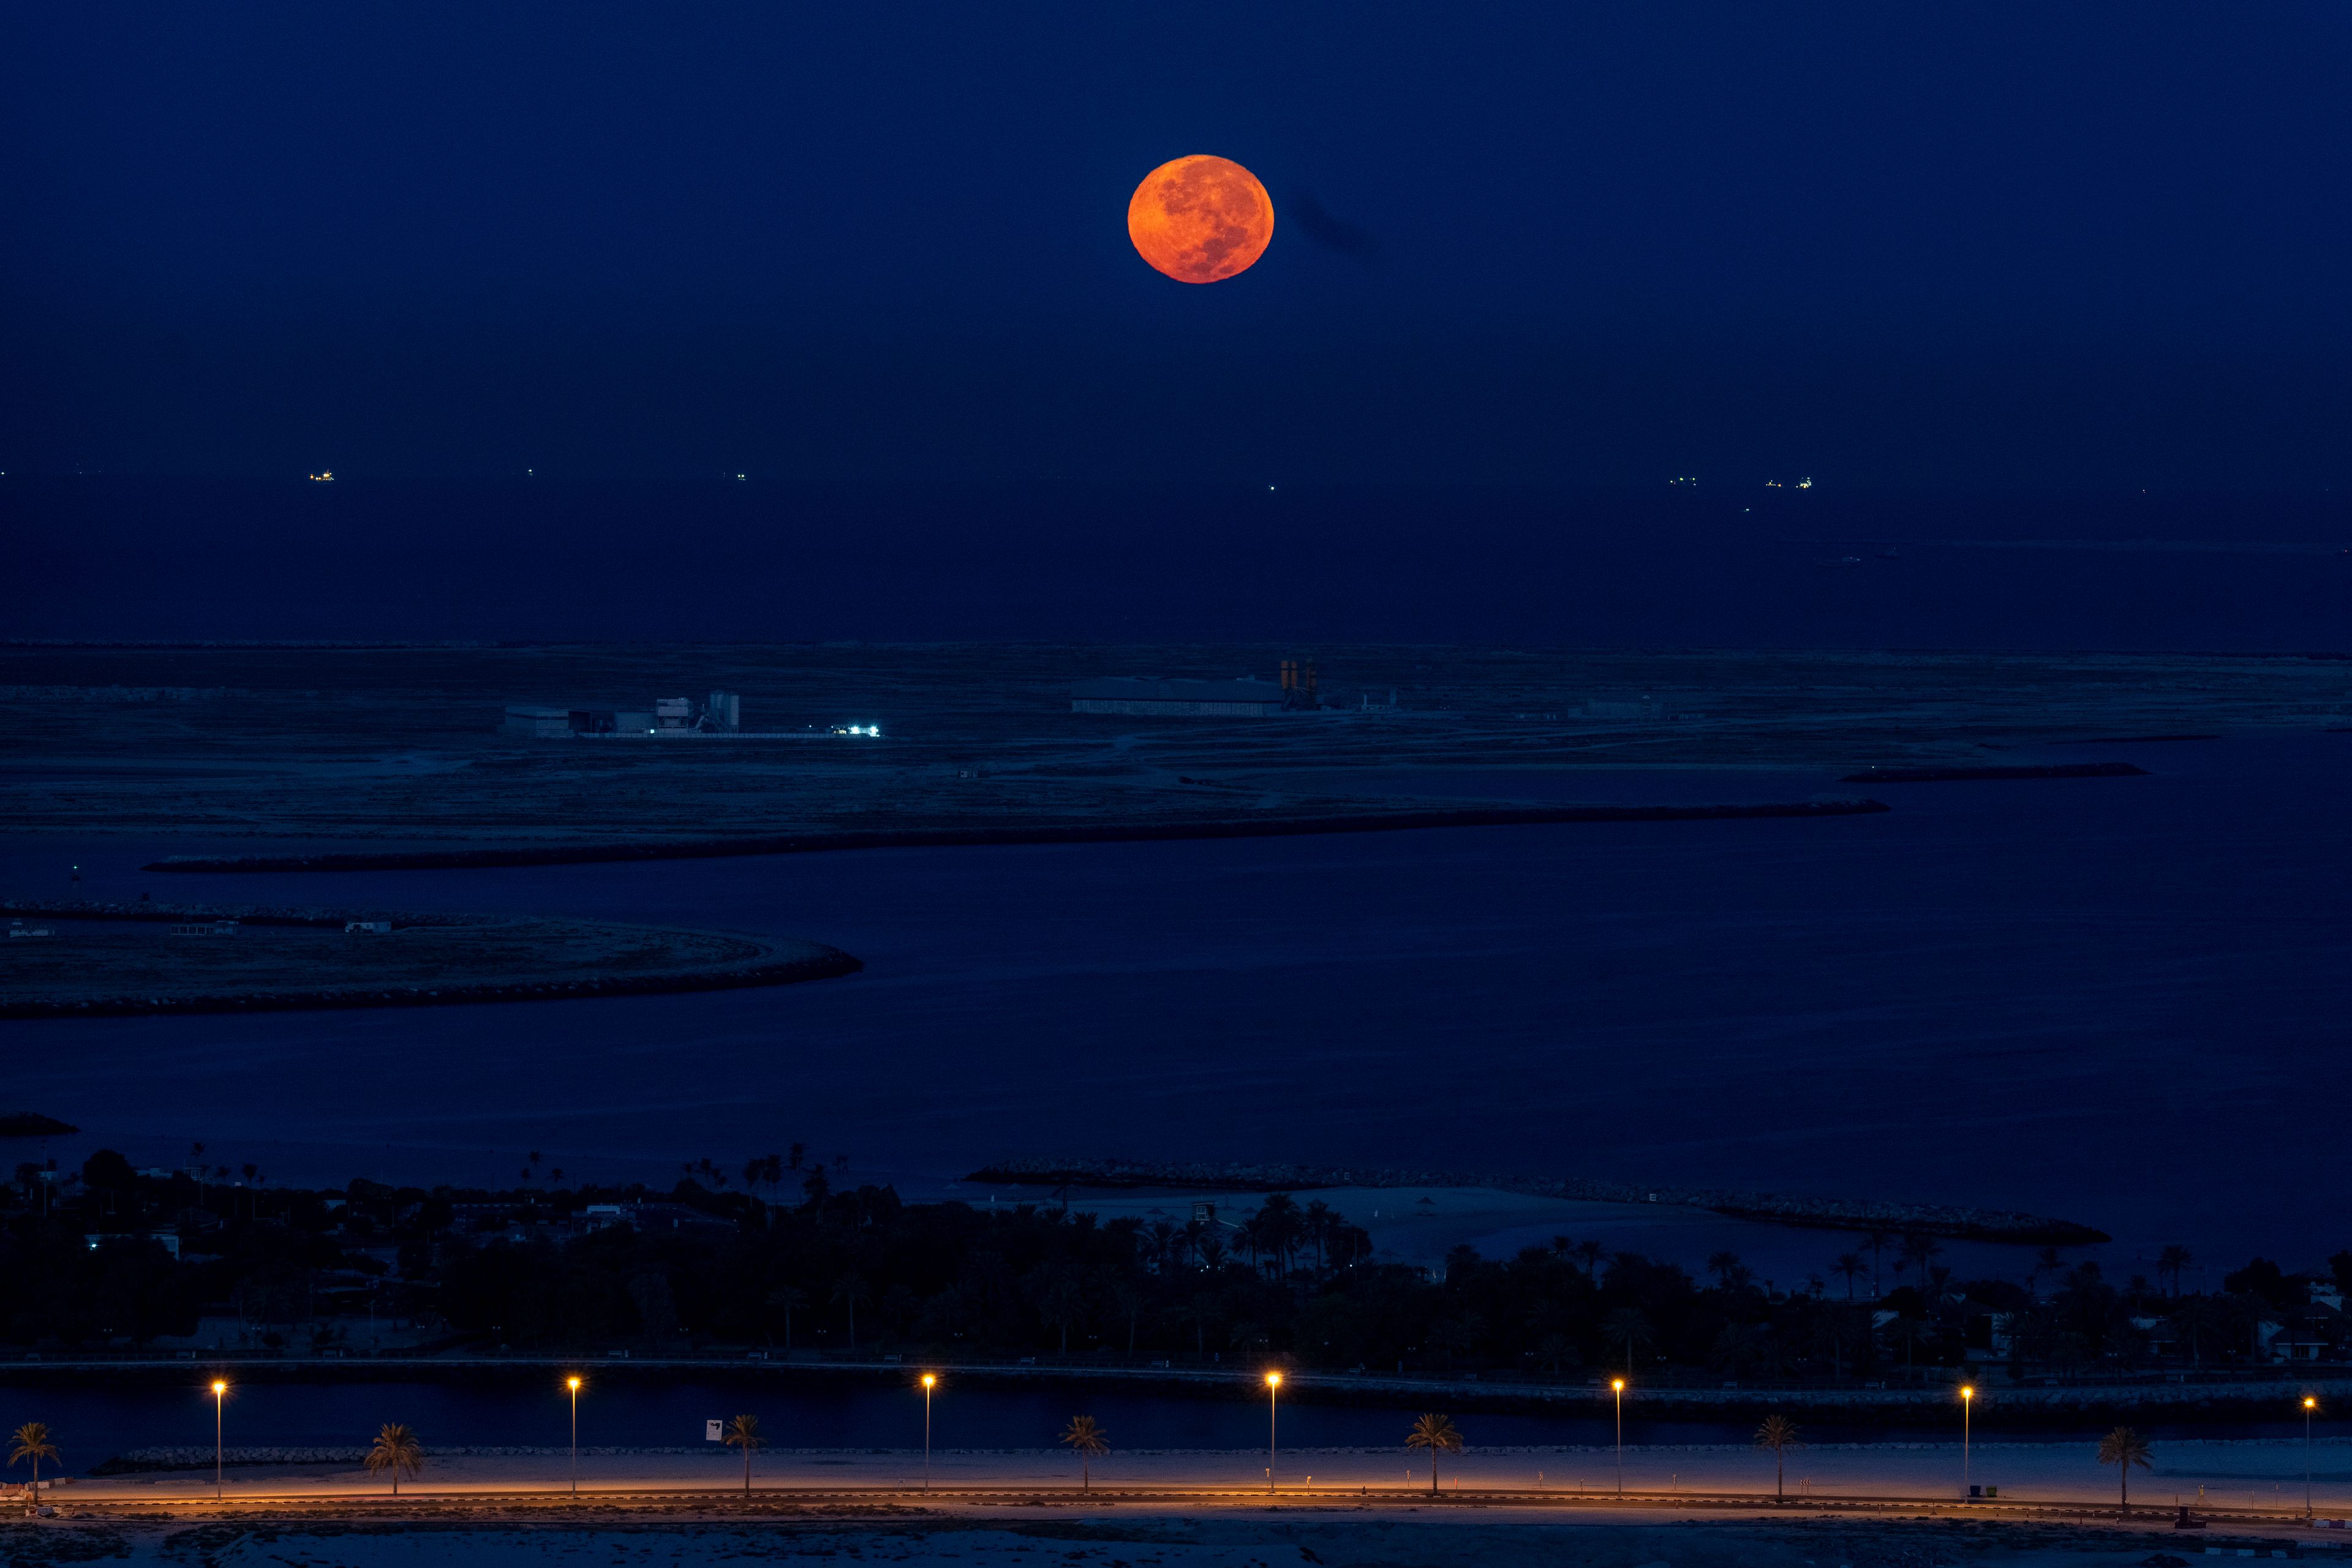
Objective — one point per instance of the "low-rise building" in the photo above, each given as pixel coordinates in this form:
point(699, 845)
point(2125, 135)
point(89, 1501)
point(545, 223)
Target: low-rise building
point(721, 713)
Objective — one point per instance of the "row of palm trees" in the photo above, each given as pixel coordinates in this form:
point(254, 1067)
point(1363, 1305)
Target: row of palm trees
point(2123, 1447)
point(1281, 1237)
point(398, 1451)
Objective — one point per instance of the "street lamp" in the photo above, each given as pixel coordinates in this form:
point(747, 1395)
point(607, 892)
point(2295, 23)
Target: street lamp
point(1967, 1403)
point(930, 1380)
point(1617, 1386)
point(573, 1384)
point(220, 1392)
point(1272, 1387)
point(2309, 1405)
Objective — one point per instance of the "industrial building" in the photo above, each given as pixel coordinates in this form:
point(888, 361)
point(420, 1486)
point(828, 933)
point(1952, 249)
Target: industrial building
point(721, 714)
point(1177, 699)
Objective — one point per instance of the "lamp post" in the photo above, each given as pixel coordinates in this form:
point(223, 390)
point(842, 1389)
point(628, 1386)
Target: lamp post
point(573, 1384)
point(220, 1393)
point(1967, 1403)
point(1617, 1386)
point(1273, 1388)
point(930, 1380)
point(2309, 1405)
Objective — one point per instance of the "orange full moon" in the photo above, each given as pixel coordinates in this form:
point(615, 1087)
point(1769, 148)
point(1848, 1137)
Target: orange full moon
point(1200, 219)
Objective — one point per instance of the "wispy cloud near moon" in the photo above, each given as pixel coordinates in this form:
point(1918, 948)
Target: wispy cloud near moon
point(1328, 230)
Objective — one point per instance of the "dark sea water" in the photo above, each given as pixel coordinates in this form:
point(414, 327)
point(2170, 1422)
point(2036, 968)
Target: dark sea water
point(2121, 1001)
point(1716, 567)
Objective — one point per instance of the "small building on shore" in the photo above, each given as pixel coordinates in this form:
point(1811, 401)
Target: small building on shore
point(721, 714)
point(1243, 699)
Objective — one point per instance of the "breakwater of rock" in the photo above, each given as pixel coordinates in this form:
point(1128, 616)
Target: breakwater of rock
point(1828, 1214)
point(700, 961)
point(462, 859)
point(2016, 770)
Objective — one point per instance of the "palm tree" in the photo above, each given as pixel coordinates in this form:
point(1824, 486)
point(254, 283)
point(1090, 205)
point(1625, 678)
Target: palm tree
point(2046, 1261)
point(852, 1288)
point(2122, 1448)
point(1831, 1328)
point(1590, 1253)
point(1458, 1335)
point(1319, 1220)
point(1130, 1301)
point(1721, 1265)
point(396, 1449)
point(1088, 1441)
point(1436, 1434)
point(744, 1432)
point(1061, 1301)
point(1628, 1330)
point(1908, 1332)
point(1850, 1265)
point(2172, 1260)
point(1203, 1308)
point(1919, 1249)
point(1779, 1435)
point(1875, 1243)
point(787, 1298)
point(2194, 1319)
point(33, 1443)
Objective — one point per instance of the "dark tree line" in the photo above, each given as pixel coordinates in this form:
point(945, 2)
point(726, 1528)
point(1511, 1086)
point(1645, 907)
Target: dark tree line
point(837, 1269)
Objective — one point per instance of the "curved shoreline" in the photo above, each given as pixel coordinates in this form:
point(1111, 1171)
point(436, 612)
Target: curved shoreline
point(1823, 1214)
point(773, 963)
point(1991, 772)
point(958, 838)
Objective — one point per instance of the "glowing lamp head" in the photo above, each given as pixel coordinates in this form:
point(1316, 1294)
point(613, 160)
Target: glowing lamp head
point(929, 1380)
point(1618, 1383)
point(2309, 1402)
point(572, 1384)
point(1966, 1393)
point(1274, 1380)
point(219, 1387)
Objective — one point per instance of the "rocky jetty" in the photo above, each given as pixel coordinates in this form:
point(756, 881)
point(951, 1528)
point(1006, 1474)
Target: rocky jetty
point(2016, 770)
point(101, 962)
point(1131, 831)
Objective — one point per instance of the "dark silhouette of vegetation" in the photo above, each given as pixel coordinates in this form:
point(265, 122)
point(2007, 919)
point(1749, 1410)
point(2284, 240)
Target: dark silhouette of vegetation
point(1436, 1434)
point(1779, 1435)
point(2122, 1448)
point(818, 1267)
point(32, 1442)
point(744, 1432)
point(395, 1449)
point(2172, 1260)
point(1090, 1442)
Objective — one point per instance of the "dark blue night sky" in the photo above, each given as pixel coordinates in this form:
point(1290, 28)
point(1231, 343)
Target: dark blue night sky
point(2091, 246)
